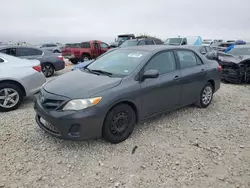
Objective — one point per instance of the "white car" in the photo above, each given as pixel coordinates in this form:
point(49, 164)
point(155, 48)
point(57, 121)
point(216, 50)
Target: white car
point(19, 78)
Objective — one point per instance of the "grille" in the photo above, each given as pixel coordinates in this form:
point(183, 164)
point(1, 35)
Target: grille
point(51, 104)
point(50, 101)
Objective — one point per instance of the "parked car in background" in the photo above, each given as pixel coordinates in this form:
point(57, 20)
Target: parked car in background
point(55, 48)
point(121, 38)
point(176, 41)
point(19, 78)
point(179, 41)
point(141, 41)
point(87, 50)
point(221, 46)
point(202, 49)
point(207, 42)
point(50, 62)
point(217, 41)
point(235, 64)
point(122, 87)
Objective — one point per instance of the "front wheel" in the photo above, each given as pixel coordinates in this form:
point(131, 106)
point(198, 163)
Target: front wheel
point(119, 124)
point(11, 96)
point(206, 96)
point(48, 70)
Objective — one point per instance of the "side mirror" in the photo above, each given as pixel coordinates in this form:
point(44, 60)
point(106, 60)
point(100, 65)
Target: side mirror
point(150, 74)
point(203, 53)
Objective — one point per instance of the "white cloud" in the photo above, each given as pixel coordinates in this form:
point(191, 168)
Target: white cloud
point(79, 20)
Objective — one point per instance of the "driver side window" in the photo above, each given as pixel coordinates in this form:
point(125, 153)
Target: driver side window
point(164, 62)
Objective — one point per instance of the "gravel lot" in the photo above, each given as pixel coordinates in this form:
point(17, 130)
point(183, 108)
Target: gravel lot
point(186, 148)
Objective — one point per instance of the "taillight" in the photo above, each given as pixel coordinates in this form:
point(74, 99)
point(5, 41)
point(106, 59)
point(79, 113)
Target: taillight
point(37, 68)
point(220, 68)
point(60, 57)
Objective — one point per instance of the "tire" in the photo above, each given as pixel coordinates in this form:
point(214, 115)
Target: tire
point(74, 61)
point(85, 57)
point(48, 70)
point(18, 98)
point(205, 99)
point(112, 131)
point(56, 51)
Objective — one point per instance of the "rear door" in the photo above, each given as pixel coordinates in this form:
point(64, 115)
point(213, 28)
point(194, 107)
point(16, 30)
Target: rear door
point(162, 93)
point(193, 75)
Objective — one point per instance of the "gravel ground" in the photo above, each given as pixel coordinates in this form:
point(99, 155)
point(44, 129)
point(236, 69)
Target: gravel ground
point(190, 147)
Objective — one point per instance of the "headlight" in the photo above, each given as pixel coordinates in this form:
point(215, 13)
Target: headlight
point(80, 104)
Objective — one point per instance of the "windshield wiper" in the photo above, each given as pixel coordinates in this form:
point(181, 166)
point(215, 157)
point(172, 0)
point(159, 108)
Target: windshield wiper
point(91, 71)
point(102, 72)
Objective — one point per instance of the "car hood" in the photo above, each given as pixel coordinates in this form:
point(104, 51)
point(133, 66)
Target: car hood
point(228, 58)
point(79, 84)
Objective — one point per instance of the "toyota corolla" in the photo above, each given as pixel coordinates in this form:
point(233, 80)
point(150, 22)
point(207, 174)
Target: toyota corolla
point(108, 97)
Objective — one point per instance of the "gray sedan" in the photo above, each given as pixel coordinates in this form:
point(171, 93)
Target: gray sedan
point(18, 78)
point(50, 62)
point(122, 87)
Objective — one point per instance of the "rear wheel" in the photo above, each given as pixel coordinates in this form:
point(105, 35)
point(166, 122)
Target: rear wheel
point(48, 70)
point(119, 123)
point(11, 96)
point(206, 96)
point(56, 51)
point(85, 57)
point(74, 61)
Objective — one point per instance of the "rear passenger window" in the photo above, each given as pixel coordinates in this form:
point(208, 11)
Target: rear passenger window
point(150, 42)
point(28, 52)
point(163, 62)
point(188, 59)
point(158, 41)
point(85, 45)
point(1, 60)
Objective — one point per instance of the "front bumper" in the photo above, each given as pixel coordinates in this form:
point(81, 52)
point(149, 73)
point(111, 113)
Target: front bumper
point(69, 125)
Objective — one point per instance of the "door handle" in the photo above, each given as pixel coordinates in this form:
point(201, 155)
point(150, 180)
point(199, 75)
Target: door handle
point(176, 77)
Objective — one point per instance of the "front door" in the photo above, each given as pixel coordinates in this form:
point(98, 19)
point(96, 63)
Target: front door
point(162, 93)
point(97, 49)
point(193, 76)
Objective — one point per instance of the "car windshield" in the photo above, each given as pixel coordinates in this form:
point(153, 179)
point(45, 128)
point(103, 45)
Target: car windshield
point(121, 39)
point(118, 62)
point(239, 51)
point(129, 43)
point(173, 41)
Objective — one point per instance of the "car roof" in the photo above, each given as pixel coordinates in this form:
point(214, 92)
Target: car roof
point(153, 48)
point(16, 46)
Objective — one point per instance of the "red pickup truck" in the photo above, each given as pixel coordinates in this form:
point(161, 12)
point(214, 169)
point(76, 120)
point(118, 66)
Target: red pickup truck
point(84, 51)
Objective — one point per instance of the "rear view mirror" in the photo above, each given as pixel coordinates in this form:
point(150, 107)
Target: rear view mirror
point(151, 74)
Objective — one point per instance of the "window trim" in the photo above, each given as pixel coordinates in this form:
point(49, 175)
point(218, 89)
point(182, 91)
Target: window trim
point(195, 54)
point(157, 53)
